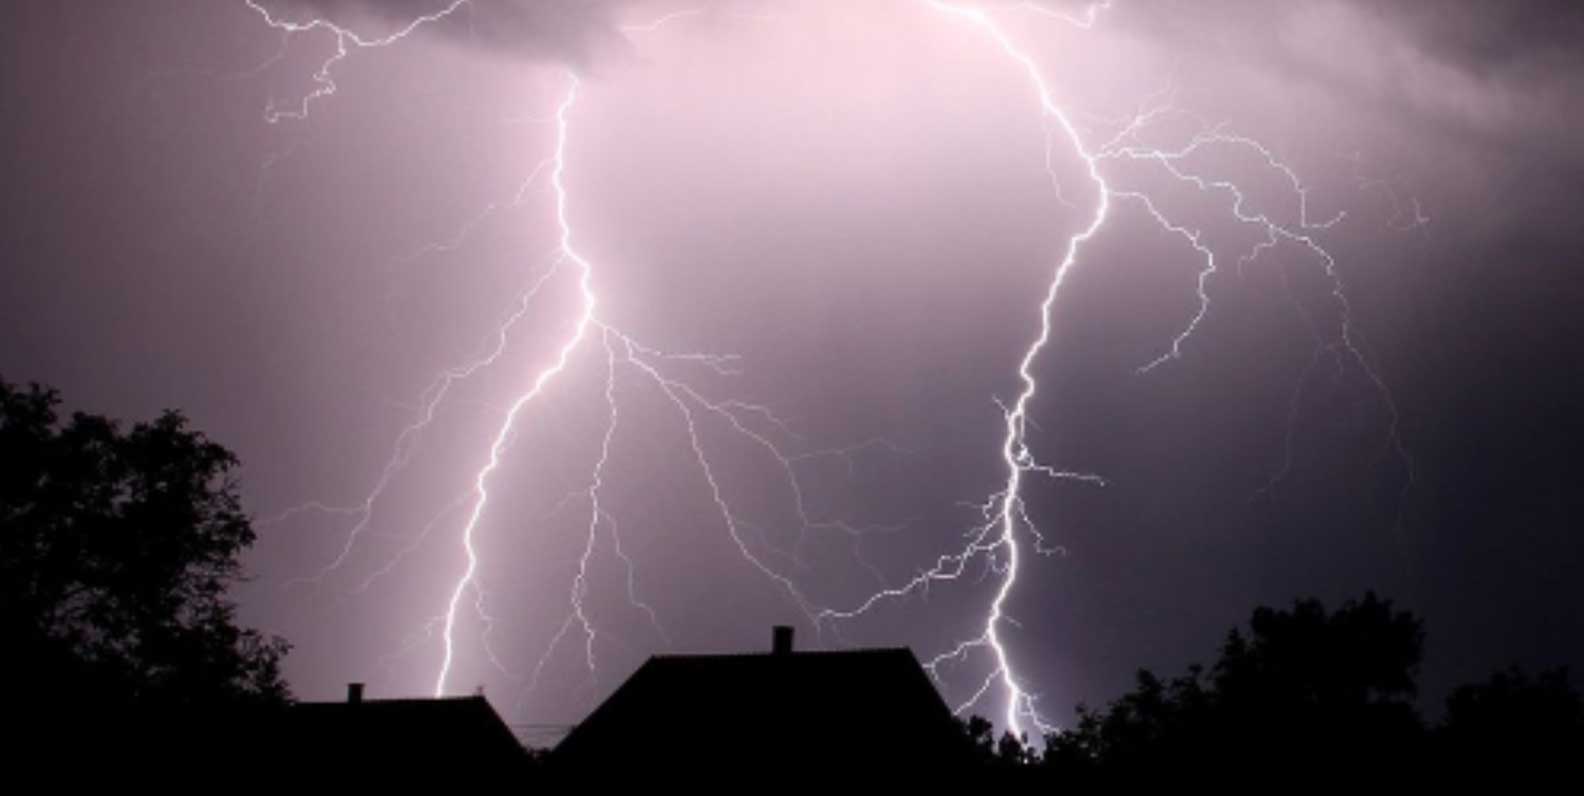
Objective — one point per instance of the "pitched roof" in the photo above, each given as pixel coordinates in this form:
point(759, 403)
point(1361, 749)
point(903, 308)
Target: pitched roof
point(862, 708)
point(368, 732)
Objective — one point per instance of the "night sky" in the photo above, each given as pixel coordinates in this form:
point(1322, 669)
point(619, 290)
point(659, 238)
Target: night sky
point(860, 206)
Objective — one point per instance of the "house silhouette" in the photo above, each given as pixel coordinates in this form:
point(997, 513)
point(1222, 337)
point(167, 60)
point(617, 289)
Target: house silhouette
point(362, 735)
point(866, 710)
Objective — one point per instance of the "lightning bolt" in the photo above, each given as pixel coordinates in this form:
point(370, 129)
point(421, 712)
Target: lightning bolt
point(1005, 510)
point(634, 353)
point(430, 400)
point(1084, 19)
point(346, 41)
point(585, 318)
point(1006, 532)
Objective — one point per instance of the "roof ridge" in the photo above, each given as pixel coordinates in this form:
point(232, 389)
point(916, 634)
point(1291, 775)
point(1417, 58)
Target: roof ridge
point(400, 700)
point(781, 655)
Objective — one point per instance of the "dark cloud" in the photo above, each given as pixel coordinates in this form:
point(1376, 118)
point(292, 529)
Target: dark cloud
point(1490, 36)
point(1509, 73)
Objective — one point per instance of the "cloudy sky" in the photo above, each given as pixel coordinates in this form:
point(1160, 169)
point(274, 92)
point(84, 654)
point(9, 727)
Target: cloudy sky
point(861, 207)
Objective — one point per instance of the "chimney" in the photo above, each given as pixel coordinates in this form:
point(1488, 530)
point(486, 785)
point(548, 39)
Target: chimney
point(781, 640)
point(354, 693)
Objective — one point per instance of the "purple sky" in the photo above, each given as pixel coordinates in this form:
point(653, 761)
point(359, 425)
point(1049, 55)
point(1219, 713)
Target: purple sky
point(858, 202)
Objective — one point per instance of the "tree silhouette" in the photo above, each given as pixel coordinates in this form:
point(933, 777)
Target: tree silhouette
point(1306, 696)
point(988, 752)
point(116, 552)
point(1513, 722)
point(1305, 689)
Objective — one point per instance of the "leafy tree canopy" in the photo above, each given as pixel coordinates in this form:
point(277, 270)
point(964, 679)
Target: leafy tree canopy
point(1302, 685)
point(117, 548)
point(1307, 692)
point(1516, 718)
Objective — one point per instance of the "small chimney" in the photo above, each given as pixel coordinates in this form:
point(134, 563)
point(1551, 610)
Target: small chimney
point(354, 693)
point(781, 640)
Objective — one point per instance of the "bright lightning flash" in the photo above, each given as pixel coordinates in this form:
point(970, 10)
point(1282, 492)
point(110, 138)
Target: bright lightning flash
point(1007, 527)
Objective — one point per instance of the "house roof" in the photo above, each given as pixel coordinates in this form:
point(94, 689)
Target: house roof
point(865, 708)
point(360, 733)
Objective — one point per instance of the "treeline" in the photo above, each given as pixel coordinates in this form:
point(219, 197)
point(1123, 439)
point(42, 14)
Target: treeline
point(1306, 694)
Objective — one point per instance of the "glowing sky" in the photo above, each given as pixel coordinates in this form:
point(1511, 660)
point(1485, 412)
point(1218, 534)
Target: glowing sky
point(861, 206)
